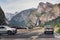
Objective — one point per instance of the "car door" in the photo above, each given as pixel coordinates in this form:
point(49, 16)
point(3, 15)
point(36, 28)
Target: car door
point(2, 29)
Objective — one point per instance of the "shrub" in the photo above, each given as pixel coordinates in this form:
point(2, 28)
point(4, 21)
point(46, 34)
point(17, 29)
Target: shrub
point(58, 31)
point(41, 25)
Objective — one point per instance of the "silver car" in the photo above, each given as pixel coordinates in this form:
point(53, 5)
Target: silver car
point(48, 29)
point(7, 30)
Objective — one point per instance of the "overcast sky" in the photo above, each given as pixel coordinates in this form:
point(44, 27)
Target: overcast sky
point(12, 6)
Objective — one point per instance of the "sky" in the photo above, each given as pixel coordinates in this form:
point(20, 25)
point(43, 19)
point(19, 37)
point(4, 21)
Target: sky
point(12, 6)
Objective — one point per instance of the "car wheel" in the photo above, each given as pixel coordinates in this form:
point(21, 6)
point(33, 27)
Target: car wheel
point(52, 32)
point(0, 34)
point(9, 33)
point(13, 33)
point(44, 32)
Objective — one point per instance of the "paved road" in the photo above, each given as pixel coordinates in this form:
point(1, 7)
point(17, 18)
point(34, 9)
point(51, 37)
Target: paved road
point(30, 36)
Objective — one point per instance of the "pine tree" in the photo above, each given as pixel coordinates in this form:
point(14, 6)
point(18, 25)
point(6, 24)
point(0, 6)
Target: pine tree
point(2, 17)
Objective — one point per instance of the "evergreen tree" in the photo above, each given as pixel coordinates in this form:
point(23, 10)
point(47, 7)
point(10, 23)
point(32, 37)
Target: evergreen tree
point(2, 17)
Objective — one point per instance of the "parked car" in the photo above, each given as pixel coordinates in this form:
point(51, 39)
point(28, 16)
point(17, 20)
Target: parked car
point(7, 30)
point(48, 29)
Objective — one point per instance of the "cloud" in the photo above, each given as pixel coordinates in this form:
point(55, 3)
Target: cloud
point(19, 5)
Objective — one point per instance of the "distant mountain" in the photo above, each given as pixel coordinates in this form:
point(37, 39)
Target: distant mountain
point(45, 12)
point(51, 11)
point(22, 18)
point(9, 15)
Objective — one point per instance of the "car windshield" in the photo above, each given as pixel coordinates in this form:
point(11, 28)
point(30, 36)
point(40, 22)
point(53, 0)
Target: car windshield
point(48, 26)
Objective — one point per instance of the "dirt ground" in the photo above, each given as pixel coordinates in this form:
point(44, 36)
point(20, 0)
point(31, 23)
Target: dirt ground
point(34, 29)
point(29, 30)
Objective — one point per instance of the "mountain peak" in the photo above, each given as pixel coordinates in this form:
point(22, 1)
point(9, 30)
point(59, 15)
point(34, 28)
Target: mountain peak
point(45, 11)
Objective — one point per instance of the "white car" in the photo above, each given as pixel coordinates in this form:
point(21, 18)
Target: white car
point(7, 30)
point(48, 29)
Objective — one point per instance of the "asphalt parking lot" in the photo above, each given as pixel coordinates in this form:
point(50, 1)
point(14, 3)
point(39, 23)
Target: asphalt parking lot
point(30, 36)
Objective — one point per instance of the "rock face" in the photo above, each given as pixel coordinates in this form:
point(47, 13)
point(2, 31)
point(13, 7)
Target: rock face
point(51, 11)
point(2, 17)
point(45, 12)
point(54, 21)
point(22, 18)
